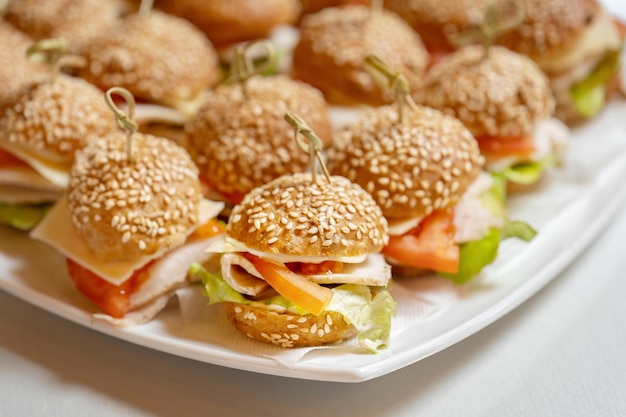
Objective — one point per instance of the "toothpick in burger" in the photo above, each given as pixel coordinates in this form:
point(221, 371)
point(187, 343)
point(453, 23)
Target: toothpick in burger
point(300, 262)
point(239, 138)
point(131, 222)
point(334, 43)
point(506, 102)
point(163, 60)
point(42, 125)
point(424, 169)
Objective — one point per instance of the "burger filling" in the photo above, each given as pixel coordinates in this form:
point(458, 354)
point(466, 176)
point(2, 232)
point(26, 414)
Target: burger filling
point(119, 288)
point(368, 309)
point(458, 243)
point(523, 159)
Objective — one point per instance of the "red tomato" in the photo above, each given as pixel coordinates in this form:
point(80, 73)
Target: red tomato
point(506, 146)
point(296, 288)
point(114, 300)
point(7, 159)
point(430, 245)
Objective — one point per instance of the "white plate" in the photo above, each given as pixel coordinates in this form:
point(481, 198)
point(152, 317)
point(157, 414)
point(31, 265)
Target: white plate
point(572, 205)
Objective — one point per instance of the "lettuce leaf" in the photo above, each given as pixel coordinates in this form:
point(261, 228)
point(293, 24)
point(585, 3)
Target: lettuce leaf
point(518, 229)
point(475, 255)
point(370, 315)
point(23, 217)
point(589, 94)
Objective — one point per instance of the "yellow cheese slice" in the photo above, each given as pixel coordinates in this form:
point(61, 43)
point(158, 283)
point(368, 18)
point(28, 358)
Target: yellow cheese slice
point(55, 172)
point(57, 230)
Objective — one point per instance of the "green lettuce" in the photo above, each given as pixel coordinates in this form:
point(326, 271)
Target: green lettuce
point(23, 217)
point(477, 254)
point(370, 315)
point(589, 94)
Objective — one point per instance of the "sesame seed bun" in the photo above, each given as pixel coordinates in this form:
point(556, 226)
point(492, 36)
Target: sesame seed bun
point(334, 43)
point(125, 210)
point(437, 20)
point(229, 21)
point(78, 21)
point(550, 27)
point(157, 57)
point(293, 215)
point(288, 330)
point(504, 94)
point(240, 143)
point(410, 168)
point(55, 118)
point(15, 68)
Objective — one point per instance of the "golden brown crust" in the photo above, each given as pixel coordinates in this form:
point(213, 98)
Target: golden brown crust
point(293, 215)
point(504, 94)
point(78, 21)
point(15, 68)
point(240, 143)
point(314, 6)
point(437, 20)
point(228, 21)
point(333, 46)
point(54, 119)
point(157, 57)
point(410, 168)
point(550, 27)
point(126, 209)
point(288, 330)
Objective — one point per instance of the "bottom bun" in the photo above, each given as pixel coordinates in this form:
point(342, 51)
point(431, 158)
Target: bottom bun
point(288, 330)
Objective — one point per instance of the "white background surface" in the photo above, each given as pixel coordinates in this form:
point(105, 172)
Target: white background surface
point(562, 353)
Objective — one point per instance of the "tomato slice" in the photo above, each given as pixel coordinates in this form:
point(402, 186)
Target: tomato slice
point(296, 288)
point(113, 299)
point(430, 245)
point(324, 267)
point(506, 146)
point(7, 159)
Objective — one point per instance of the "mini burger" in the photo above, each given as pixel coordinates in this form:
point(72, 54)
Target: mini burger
point(15, 67)
point(300, 264)
point(239, 139)
point(425, 172)
point(505, 101)
point(131, 222)
point(437, 22)
point(163, 60)
point(78, 21)
point(577, 44)
point(42, 125)
point(227, 22)
point(335, 42)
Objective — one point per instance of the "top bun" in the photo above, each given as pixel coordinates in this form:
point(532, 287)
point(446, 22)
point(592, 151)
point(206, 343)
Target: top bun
point(437, 20)
point(229, 21)
point(55, 118)
point(334, 43)
point(293, 215)
point(78, 21)
point(126, 209)
point(157, 57)
point(240, 143)
point(424, 163)
point(550, 27)
point(503, 94)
